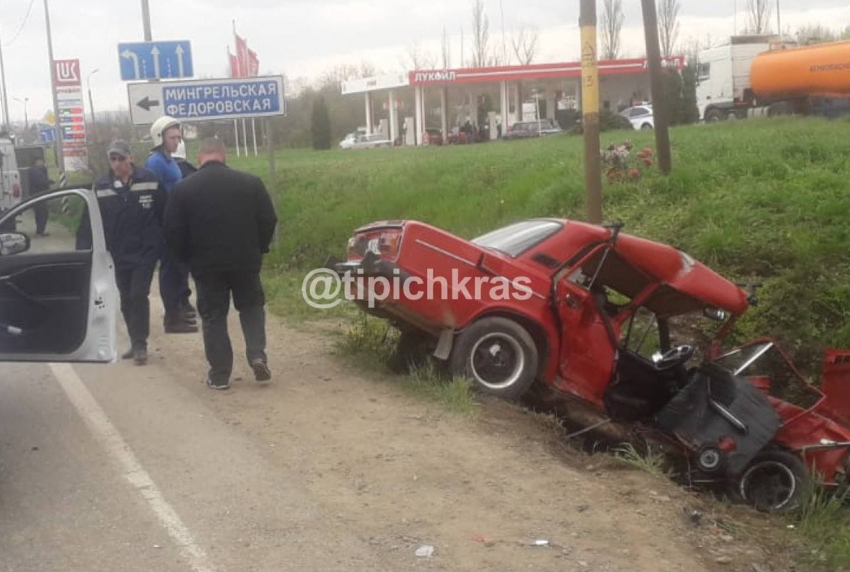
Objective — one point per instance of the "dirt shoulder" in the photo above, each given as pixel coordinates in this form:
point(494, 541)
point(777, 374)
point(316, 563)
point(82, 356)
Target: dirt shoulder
point(403, 473)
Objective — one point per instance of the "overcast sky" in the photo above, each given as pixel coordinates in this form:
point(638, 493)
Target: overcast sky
point(303, 38)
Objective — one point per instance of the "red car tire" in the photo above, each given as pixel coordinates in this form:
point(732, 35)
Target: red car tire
point(498, 355)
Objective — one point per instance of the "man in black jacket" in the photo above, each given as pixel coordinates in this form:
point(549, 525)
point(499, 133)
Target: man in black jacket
point(40, 182)
point(221, 222)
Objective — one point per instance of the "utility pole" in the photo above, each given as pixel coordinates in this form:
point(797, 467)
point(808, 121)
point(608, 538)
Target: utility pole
point(6, 122)
point(504, 45)
point(778, 19)
point(590, 112)
point(660, 109)
point(60, 157)
point(146, 20)
point(91, 103)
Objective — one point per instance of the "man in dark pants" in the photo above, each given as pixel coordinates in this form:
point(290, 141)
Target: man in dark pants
point(132, 206)
point(40, 182)
point(221, 222)
point(173, 275)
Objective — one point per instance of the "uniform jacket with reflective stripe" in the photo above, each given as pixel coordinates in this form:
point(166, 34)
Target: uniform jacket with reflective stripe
point(132, 217)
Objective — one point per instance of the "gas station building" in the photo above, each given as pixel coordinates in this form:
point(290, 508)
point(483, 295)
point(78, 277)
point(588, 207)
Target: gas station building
point(623, 83)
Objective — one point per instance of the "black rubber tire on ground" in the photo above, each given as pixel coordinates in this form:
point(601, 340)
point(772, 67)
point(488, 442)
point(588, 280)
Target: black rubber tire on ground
point(713, 115)
point(498, 355)
point(783, 477)
point(413, 349)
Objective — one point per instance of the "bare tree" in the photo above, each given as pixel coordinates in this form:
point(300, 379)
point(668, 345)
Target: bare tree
point(446, 49)
point(480, 35)
point(759, 13)
point(418, 58)
point(668, 25)
point(815, 34)
point(612, 28)
point(525, 45)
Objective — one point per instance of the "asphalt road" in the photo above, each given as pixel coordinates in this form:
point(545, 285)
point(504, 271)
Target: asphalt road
point(120, 468)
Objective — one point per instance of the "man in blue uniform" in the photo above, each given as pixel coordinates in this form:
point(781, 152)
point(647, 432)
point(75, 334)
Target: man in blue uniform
point(132, 206)
point(173, 273)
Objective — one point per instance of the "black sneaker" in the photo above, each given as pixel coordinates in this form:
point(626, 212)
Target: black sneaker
point(181, 327)
point(188, 310)
point(140, 356)
point(217, 385)
point(261, 370)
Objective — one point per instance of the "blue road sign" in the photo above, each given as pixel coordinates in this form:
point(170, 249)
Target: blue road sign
point(47, 135)
point(208, 99)
point(155, 60)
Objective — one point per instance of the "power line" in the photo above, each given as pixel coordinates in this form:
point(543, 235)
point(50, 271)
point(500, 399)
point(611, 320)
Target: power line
point(21, 27)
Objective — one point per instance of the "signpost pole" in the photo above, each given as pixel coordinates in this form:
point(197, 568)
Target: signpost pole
point(272, 172)
point(236, 132)
point(254, 133)
point(60, 158)
point(146, 20)
point(245, 137)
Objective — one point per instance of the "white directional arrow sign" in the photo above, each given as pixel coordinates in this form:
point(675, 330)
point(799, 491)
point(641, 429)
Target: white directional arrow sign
point(134, 58)
point(155, 56)
point(179, 51)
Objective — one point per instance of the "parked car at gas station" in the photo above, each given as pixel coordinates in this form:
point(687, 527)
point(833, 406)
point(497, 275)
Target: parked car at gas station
point(640, 116)
point(365, 141)
point(530, 129)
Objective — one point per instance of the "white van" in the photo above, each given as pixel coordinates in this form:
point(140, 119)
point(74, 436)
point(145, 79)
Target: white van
point(11, 194)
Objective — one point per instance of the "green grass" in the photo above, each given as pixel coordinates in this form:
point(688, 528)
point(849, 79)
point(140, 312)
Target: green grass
point(371, 344)
point(757, 200)
point(824, 522)
point(650, 462)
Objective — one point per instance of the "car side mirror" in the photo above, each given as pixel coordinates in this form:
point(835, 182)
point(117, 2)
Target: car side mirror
point(13, 243)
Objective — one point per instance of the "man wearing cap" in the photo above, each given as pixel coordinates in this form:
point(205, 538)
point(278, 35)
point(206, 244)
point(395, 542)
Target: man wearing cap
point(173, 273)
point(132, 206)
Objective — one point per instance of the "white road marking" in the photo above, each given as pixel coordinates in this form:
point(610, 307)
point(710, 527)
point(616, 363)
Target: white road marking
point(120, 451)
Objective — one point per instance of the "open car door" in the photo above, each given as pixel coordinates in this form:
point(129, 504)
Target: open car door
point(58, 297)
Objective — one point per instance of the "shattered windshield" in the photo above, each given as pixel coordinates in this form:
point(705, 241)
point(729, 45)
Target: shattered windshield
point(739, 360)
point(765, 365)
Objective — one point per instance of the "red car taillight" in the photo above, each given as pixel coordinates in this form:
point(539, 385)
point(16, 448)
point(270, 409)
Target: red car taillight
point(16, 191)
point(390, 244)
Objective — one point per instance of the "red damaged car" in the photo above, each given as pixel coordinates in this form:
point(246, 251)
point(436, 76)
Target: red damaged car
point(609, 320)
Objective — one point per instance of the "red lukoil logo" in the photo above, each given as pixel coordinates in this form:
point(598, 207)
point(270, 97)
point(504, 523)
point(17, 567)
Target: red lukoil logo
point(67, 72)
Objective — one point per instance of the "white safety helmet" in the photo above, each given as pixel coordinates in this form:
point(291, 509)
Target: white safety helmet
point(180, 153)
point(160, 126)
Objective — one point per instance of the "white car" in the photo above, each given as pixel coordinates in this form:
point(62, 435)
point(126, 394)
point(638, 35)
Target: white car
point(366, 142)
point(58, 297)
point(640, 116)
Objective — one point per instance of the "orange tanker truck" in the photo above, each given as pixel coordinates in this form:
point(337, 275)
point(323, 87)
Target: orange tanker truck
point(764, 75)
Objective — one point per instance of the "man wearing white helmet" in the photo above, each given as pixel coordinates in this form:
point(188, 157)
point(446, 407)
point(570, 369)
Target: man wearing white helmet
point(173, 274)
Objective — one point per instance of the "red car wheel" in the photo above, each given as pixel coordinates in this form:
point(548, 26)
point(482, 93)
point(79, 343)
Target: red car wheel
point(498, 355)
